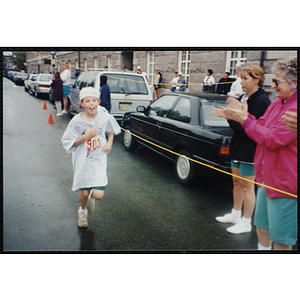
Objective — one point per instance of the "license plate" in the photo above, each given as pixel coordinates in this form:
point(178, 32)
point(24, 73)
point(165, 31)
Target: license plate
point(124, 106)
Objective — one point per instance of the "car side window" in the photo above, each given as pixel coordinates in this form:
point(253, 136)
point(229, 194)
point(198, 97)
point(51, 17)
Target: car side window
point(162, 106)
point(82, 80)
point(182, 110)
point(91, 81)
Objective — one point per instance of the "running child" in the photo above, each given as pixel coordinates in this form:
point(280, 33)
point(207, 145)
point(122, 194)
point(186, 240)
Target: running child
point(85, 139)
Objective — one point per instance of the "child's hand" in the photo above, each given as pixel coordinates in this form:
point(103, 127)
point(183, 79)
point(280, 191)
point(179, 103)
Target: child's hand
point(107, 147)
point(91, 133)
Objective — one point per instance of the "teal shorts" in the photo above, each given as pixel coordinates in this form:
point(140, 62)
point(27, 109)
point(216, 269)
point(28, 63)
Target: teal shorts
point(66, 91)
point(95, 188)
point(278, 215)
point(245, 168)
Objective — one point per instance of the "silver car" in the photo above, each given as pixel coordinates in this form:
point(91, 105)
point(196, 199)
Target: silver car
point(28, 82)
point(128, 90)
point(40, 85)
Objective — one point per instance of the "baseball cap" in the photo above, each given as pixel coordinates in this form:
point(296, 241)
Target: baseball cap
point(88, 92)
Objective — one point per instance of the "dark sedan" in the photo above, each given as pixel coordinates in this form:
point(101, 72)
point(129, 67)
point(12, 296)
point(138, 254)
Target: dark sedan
point(182, 123)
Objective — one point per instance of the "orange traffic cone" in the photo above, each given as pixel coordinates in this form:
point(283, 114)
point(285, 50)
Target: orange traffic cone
point(50, 119)
point(44, 105)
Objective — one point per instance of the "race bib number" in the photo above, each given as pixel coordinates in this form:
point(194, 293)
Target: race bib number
point(92, 144)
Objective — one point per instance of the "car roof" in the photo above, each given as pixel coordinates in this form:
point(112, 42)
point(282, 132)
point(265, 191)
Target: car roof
point(208, 96)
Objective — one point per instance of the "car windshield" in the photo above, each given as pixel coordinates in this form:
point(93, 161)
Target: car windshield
point(124, 84)
point(210, 119)
point(44, 78)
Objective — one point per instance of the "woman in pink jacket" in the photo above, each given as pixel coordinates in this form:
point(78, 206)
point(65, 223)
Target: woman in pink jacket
point(275, 160)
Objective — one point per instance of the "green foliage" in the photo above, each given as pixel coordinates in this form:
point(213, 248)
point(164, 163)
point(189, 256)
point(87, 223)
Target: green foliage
point(18, 58)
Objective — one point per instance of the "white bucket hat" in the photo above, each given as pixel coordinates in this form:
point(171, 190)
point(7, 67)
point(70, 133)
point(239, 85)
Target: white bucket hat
point(88, 92)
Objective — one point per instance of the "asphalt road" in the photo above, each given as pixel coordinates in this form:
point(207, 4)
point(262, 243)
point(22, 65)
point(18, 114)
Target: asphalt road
point(144, 207)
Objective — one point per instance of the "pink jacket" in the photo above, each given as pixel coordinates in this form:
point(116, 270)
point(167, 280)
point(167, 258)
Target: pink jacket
point(275, 160)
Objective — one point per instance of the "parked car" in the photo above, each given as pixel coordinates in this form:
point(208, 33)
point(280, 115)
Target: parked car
point(11, 74)
point(6, 70)
point(128, 90)
point(182, 123)
point(28, 82)
point(40, 85)
point(19, 78)
point(73, 80)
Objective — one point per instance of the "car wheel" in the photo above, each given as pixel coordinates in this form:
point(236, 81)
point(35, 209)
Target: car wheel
point(184, 168)
point(129, 140)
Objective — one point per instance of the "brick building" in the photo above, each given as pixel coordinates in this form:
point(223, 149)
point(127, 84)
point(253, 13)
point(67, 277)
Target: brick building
point(192, 63)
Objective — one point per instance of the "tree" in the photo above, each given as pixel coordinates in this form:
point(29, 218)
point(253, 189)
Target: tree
point(19, 58)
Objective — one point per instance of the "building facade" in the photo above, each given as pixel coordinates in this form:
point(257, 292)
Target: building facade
point(192, 63)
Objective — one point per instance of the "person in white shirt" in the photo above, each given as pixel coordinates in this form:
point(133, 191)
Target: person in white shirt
point(174, 81)
point(66, 78)
point(236, 88)
point(209, 82)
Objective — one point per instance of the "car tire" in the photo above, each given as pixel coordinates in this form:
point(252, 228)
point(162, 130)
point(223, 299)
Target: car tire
point(184, 168)
point(129, 140)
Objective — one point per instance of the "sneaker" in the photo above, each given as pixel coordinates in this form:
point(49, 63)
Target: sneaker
point(59, 114)
point(64, 112)
point(229, 218)
point(82, 218)
point(239, 228)
point(91, 203)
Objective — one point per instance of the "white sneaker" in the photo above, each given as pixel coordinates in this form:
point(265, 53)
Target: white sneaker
point(91, 203)
point(59, 114)
point(229, 218)
point(241, 227)
point(82, 218)
point(64, 112)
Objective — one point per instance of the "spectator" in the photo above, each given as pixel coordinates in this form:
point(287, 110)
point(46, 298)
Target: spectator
point(209, 82)
point(236, 88)
point(124, 68)
point(66, 78)
point(180, 85)
point(53, 73)
point(57, 96)
point(157, 82)
point(242, 151)
point(105, 93)
point(85, 139)
point(275, 159)
point(225, 84)
point(76, 74)
point(140, 71)
point(174, 81)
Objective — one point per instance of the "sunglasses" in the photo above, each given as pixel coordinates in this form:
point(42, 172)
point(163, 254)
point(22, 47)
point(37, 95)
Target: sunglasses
point(276, 81)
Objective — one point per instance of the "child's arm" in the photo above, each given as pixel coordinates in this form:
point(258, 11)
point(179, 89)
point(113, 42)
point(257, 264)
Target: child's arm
point(110, 138)
point(88, 135)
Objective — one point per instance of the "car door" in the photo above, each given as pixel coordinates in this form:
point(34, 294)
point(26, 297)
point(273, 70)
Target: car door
point(157, 112)
point(176, 127)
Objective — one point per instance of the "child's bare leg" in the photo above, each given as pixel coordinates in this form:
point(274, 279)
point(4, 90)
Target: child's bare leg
point(83, 197)
point(98, 194)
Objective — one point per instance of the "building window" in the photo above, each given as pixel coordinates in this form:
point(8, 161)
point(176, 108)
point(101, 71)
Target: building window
point(150, 66)
point(235, 58)
point(109, 64)
point(184, 64)
point(95, 62)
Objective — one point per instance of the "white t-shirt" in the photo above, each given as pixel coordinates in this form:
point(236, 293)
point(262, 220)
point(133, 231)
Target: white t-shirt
point(174, 81)
point(236, 88)
point(89, 159)
point(209, 80)
point(66, 77)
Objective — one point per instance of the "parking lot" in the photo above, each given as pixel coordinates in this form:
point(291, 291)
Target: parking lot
point(144, 207)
